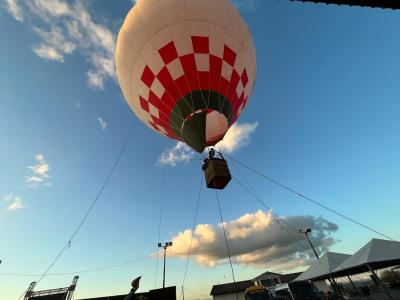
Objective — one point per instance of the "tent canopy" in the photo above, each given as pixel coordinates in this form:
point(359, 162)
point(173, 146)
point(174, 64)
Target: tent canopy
point(376, 253)
point(323, 267)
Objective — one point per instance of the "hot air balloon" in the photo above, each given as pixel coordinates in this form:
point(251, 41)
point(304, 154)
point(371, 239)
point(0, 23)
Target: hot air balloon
point(186, 67)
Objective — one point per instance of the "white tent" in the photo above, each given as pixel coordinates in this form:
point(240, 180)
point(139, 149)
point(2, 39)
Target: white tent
point(376, 254)
point(323, 267)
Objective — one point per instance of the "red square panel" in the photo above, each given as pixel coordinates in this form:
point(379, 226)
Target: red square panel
point(153, 99)
point(168, 53)
point(204, 80)
point(189, 67)
point(223, 87)
point(157, 121)
point(144, 104)
point(173, 92)
point(200, 44)
point(154, 125)
point(234, 82)
point(215, 72)
point(182, 85)
point(229, 55)
point(148, 76)
point(165, 77)
point(244, 78)
point(168, 103)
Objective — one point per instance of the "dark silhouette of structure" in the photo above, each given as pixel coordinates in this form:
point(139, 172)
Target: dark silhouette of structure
point(53, 294)
point(168, 293)
point(393, 4)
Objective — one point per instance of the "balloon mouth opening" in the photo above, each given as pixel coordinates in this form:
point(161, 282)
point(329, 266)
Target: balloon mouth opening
point(203, 128)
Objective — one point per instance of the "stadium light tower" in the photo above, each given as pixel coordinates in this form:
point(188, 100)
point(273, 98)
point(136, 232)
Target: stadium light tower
point(167, 244)
point(307, 231)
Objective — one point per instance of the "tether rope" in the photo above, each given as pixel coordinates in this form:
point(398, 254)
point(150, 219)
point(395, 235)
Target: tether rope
point(191, 238)
point(81, 271)
point(68, 244)
point(226, 240)
point(279, 220)
point(160, 223)
point(310, 200)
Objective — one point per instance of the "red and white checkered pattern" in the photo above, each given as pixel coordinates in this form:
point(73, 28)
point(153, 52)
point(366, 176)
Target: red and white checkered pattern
point(169, 77)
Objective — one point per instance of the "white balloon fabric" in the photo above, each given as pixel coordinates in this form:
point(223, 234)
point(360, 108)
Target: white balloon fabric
point(186, 67)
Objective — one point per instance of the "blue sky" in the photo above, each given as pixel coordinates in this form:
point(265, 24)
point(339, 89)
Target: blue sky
point(323, 119)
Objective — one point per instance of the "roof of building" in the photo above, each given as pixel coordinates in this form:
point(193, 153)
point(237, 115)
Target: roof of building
point(266, 274)
point(232, 287)
point(286, 278)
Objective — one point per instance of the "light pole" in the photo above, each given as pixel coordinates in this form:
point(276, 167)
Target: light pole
point(167, 244)
point(306, 231)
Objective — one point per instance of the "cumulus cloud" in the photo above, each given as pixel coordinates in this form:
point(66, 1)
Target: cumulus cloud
point(102, 123)
point(177, 154)
point(14, 9)
point(67, 28)
point(48, 53)
point(39, 173)
point(16, 201)
point(257, 239)
point(237, 137)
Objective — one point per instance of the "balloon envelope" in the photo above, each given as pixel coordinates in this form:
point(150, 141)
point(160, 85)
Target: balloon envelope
point(186, 67)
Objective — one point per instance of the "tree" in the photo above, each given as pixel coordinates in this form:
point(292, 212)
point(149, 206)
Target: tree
point(388, 276)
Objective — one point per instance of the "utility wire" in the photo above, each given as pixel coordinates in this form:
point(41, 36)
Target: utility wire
point(196, 293)
point(82, 271)
point(160, 223)
point(191, 238)
point(22, 295)
point(280, 220)
point(226, 240)
point(310, 200)
point(68, 244)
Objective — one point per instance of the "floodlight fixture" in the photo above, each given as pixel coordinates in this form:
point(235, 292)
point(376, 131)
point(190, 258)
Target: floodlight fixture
point(167, 244)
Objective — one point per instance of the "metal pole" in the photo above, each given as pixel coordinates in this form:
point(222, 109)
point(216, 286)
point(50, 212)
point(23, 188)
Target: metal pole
point(330, 279)
point(312, 246)
point(389, 296)
point(354, 286)
point(165, 257)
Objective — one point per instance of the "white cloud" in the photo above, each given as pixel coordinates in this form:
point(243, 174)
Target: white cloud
point(39, 173)
point(16, 201)
point(95, 80)
point(102, 123)
point(69, 28)
point(14, 9)
point(256, 239)
point(179, 153)
point(237, 137)
point(17, 204)
point(55, 45)
point(48, 53)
